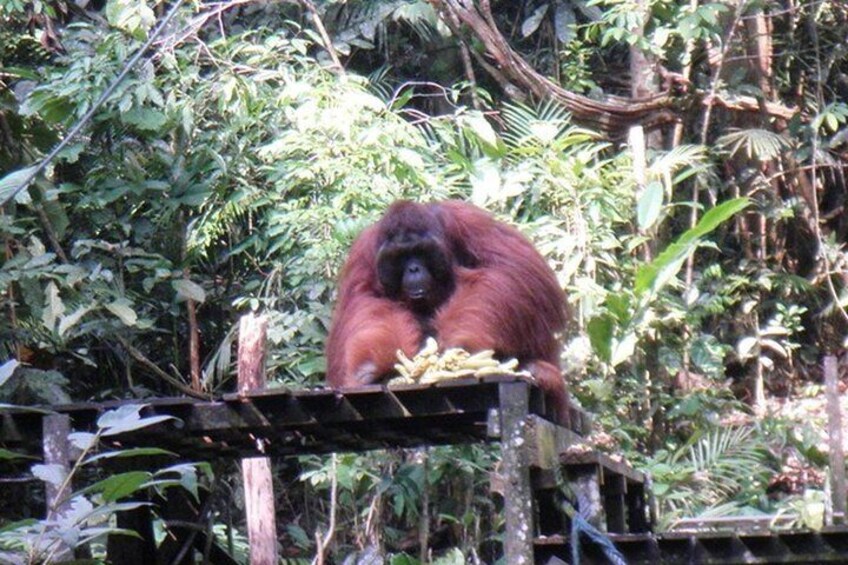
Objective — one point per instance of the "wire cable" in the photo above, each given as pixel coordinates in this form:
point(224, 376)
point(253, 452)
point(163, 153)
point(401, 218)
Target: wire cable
point(83, 121)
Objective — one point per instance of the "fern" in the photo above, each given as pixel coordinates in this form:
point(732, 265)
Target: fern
point(707, 476)
point(529, 131)
point(727, 458)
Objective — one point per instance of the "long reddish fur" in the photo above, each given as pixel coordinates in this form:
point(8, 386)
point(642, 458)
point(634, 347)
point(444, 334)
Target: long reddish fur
point(507, 299)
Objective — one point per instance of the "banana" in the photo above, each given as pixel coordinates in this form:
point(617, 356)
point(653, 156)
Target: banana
point(484, 354)
point(431, 347)
point(404, 360)
point(428, 366)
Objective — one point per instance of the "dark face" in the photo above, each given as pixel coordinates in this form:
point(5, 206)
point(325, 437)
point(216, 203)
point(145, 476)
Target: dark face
point(413, 264)
point(417, 284)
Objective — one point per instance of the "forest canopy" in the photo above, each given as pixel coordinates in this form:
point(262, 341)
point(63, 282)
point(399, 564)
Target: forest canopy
point(680, 164)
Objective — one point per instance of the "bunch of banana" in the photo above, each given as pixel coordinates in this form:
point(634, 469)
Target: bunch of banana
point(428, 366)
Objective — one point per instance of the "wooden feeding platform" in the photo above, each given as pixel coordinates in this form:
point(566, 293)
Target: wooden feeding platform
point(280, 422)
point(274, 423)
point(509, 409)
point(538, 459)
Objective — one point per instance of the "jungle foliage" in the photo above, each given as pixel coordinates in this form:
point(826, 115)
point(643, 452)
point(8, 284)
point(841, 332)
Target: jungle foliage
point(232, 168)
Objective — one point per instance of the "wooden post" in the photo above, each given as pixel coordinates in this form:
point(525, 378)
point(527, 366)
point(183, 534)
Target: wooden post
point(518, 494)
point(636, 140)
point(256, 471)
point(637, 513)
point(615, 489)
point(55, 429)
point(586, 485)
point(834, 434)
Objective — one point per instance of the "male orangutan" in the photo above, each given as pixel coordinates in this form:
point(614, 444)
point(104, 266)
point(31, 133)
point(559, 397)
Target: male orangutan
point(451, 271)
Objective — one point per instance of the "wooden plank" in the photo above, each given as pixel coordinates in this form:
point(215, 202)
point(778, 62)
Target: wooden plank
point(327, 409)
point(548, 442)
point(518, 496)
point(723, 547)
point(259, 509)
point(592, 457)
point(419, 401)
point(280, 410)
point(765, 546)
point(834, 434)
point(379, 405)
point(256, 472)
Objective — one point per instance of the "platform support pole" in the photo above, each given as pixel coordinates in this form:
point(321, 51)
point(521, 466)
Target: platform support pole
point(834, 429)
point(256, 471)
point(55, 429)
point(517, 491)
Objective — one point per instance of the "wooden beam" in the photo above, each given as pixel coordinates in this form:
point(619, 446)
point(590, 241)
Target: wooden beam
point(547, 442)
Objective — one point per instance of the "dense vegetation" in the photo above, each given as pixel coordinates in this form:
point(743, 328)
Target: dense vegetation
point(231, 169)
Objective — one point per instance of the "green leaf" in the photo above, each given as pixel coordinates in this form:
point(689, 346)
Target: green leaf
point(145, 119)
point(485, 181)
point(54, 474)
point(564, 20)
point(7, 369)
point(600, 331)
point(28, 409)
point(133, 452)
point(6, 455)
point(623, 349)
point(481, 128)
point(82, 440)
point(187, 473)
point(132, 16)
point(121, 308)
point(532, 23)
point(189, 290)
point(618, 305)
point(12, 181)
point(453, 557)
point(656, 274)
point(650, 205)
point(56, 215)
point(119, 486)
point(589, 9)
point(601, 389)
point(127, 418)
point(67, 322)
point(54, 308)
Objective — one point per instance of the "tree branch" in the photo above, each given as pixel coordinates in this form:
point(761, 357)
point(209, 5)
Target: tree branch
point(613, 115)
point(141, 358)
point(325, 37)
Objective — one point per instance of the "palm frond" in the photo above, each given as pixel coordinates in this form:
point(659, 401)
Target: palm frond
point(362, 23)
point(682, 161)
point(725, 459)
point(759, 144)
point(529, 130)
